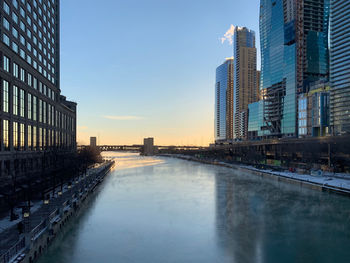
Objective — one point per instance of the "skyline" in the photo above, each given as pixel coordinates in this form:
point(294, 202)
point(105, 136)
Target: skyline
point(153, 97)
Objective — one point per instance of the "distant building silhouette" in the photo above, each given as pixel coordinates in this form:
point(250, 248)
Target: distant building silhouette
point(93, 141)
point(148, 147)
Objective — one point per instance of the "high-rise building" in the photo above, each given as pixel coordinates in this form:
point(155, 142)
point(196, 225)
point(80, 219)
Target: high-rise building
point(314, 29)
point(278, 80)
point(93, 142)
point(37, 122)
point(245, 82)
point(294, 53)
point(223, 119)
point(340, 66)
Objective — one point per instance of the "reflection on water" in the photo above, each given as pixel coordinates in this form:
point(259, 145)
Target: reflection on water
point(126, 160)
point(153, 209)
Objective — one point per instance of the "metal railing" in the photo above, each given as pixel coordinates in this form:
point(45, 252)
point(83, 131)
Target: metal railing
point(13, 251)
point(53, 215)
point(37, 230)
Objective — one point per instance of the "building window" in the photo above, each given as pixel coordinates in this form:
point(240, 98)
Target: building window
point(15, 18)
point(44, 111)
point(22, 40)
point(21, 105)
point(14, 32)
point(6, 8)
point(14, 47)
point(29, 137)
point(5, 86)
point(23, 75)
point(22, 26)
point(23, 13)
point(6, 39)
point(22, 54)
point(15, 135)
point(21, 136)
point(29, 79)
point(40, 138)
point(35, 83)
point(15, 70)
point(34, 108)
point(6, 135)
point(44, 142)
point(40, 110)
point(6, 23)
point(29, 106)
point(49, 114)
point(6, 64)
point(15, 100)
point(34, 137)
point(15, 3)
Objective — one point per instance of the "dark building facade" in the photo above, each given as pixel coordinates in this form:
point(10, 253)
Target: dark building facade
point(36, 121)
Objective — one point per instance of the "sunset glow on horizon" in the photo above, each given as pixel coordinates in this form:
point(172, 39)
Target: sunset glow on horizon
point(155, 73)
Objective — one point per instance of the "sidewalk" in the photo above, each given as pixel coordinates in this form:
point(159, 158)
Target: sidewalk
point(9, 233)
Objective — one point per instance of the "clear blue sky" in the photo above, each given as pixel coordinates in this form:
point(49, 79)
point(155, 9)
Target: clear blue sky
point(142, 68)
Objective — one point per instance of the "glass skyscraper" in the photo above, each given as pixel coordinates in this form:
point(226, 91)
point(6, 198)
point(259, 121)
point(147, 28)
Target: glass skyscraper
point(278, 67)
point(340, 66)
point(224, 101)
point(294, 54)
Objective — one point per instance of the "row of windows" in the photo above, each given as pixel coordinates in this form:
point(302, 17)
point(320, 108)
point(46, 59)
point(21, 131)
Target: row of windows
point(26, 30)
point(46, 16)
point(31, 107)
point(28, 59)
point(35, 51)
point(27, 78)
point(30, 137)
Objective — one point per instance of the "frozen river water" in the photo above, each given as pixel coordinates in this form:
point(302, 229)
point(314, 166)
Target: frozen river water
point(152, 209)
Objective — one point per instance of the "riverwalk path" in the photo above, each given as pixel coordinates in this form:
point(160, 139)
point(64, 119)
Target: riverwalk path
point(15, 245)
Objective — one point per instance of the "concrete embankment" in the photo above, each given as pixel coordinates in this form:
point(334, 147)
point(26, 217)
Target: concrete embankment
point(323, 183)
point(41, 227)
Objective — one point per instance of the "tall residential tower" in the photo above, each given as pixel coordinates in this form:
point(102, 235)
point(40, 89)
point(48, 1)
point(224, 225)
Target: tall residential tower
point(245, 83)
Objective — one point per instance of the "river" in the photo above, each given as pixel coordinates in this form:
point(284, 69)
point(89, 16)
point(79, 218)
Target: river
point(155, 209)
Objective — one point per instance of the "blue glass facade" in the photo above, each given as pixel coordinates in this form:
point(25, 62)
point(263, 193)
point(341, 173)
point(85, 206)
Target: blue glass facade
point(255, 113)
point(223, 120)
point(278, 69)
point(316, 29)
point(340, 66)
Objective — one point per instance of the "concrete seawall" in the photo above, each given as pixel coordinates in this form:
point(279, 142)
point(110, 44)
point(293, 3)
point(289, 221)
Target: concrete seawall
point(266, 174)
point(41, 228)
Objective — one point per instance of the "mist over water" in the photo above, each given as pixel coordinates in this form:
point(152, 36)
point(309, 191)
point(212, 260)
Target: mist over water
point(152, 209)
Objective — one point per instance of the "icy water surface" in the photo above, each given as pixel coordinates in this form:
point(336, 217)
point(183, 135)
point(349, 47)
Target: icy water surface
point(152, 209)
